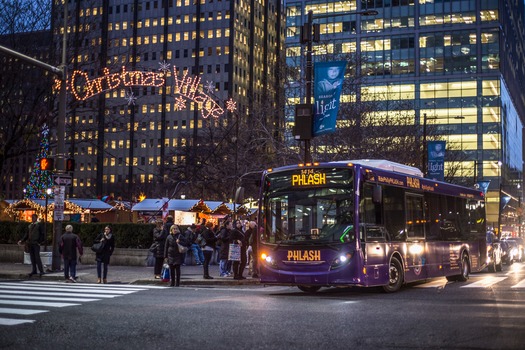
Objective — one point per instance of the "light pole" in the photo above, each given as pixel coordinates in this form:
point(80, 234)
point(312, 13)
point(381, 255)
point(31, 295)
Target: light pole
point(310, 33)
point(48, 192)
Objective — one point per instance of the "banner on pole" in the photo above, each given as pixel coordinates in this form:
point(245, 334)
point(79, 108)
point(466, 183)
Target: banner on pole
point(329, 77)
point(436, 160)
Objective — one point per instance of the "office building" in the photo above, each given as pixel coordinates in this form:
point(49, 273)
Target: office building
point(459, 65)
point(145, 76)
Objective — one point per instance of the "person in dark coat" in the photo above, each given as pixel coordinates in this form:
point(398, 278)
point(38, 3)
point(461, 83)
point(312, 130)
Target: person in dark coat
point(159, 236)
point(209, 247)
point(102, 258)
point(172, 254)
point(36, 237)
point(224, 238)
point(237, 237)
point(70, 243)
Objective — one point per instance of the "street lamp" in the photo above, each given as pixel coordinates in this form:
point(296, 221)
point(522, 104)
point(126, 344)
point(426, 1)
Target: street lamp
point(310, 33)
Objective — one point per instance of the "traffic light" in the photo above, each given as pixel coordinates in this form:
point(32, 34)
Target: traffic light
point(47, 164)
point(70, 164)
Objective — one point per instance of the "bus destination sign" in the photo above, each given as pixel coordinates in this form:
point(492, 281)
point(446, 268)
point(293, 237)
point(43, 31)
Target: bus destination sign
point(308, 177)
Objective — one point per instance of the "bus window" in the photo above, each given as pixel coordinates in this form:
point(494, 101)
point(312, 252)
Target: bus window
point(369, 206)
point(415, 216)
point(394, 212)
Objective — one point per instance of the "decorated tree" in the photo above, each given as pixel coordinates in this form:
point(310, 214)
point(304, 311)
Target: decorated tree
point(40, 180)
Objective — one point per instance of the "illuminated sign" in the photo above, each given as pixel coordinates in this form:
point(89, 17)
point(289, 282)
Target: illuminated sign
point(308, 177)
point(83, 88)
point(412, 182)
point(304, 255)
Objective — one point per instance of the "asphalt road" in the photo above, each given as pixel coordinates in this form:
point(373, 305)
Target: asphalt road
point(487, 312)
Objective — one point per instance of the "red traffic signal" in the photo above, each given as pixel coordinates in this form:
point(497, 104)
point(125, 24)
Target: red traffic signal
point(70, 164)
point(47, 164)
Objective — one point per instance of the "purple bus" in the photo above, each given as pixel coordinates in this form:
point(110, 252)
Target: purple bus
point(366, 223)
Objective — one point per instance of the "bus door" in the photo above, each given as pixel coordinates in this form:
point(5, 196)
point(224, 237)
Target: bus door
point(376, 249)
point(416, 255)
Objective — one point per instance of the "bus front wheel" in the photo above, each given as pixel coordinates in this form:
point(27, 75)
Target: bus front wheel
point(396, 276)
point(309, 289)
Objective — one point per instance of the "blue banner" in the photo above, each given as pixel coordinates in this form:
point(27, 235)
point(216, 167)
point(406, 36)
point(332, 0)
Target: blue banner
point(483, 185)
point(329, 77)
point(436, 160)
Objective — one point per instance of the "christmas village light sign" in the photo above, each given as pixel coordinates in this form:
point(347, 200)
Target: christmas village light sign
point(184, 89)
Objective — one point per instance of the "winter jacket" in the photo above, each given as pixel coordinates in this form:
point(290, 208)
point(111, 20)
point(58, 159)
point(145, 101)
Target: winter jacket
point(69, 244)
point(159, 236)
point(171, 249)
point(224, 237)
point(35, 234)
point(109, 247)
point(209, 237)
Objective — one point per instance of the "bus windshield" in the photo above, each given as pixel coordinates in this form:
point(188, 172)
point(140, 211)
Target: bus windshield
point(312, 211)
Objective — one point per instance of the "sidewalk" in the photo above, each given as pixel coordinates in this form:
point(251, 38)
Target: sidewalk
point(190, 275)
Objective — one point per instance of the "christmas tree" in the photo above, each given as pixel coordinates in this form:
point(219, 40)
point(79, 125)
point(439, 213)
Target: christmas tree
point(40, 180)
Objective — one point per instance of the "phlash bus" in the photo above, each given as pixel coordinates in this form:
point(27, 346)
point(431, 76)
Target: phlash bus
point(366, 223)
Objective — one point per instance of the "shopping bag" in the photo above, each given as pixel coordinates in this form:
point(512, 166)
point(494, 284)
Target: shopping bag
point(234, 254)
point(165, 273)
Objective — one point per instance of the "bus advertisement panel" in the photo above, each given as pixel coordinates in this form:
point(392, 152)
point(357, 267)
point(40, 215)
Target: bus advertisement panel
point(366, 223)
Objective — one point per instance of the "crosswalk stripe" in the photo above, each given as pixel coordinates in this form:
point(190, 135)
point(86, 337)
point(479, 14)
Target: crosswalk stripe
point(442, 282)
point(50, 298)
point(13, 322)
point(20, 292)
point(35, 303)
point(521, 284)
point(5, 310)
point(7, 286)
point(485, 282)
point(104, 286)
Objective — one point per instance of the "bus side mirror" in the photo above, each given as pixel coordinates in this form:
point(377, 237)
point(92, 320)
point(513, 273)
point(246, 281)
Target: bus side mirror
point(377, 194)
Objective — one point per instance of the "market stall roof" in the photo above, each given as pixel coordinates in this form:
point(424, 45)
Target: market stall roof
point(156, 204)
point(72, 204)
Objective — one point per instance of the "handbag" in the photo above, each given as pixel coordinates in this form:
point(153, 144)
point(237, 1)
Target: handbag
point(154, 247)
point(27, 247)
point(234, 253)
point(165, 273)
point(182, 249)
point(97, 247)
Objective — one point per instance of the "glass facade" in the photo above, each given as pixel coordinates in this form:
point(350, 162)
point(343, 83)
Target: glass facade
point(445, 61)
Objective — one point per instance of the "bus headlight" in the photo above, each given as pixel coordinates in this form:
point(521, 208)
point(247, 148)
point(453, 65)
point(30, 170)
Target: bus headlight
point(268, 259)
point(341, 260)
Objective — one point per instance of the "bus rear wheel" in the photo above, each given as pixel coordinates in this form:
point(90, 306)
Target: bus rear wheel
point(309, 289)
point(396, 276)
point(465, 271)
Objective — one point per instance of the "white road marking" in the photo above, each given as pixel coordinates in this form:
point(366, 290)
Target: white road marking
point(485, 282)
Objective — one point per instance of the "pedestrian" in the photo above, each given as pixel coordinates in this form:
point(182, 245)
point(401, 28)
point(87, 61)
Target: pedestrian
point(172, 254)
point(209, 246)
point(217, 252)
point(191, 236)
point(70, 243)
point(224, 238)
point(250, 236)
point(35, 237)
point(103, 256)
point(237, 237)
point(159, 237)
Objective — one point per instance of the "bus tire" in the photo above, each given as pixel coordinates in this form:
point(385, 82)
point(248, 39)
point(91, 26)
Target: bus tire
point(396, 276)
point(465, 269)
point(309, 289)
